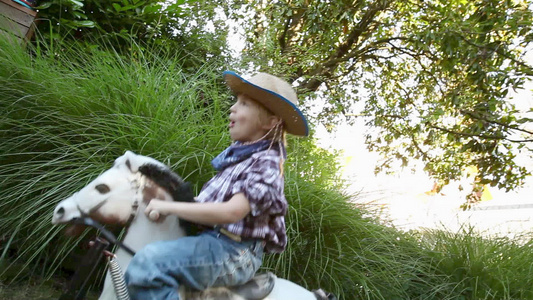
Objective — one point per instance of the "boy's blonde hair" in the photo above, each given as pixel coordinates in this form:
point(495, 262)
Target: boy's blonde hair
point(278, 133)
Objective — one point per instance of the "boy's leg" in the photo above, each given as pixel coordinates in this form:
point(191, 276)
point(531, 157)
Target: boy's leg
point(200, 262)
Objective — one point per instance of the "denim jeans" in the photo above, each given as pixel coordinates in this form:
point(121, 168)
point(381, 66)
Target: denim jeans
point(208, 260)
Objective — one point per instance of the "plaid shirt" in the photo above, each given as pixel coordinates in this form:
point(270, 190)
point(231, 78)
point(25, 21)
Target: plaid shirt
point(259, 178)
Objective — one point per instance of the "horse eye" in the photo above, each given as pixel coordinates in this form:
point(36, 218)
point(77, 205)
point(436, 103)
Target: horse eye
point(102, 188)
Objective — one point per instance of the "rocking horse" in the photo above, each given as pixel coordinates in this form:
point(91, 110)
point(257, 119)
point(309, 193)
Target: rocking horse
point(119, 196)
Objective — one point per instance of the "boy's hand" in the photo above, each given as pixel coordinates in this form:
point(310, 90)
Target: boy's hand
point(153, 215)
point(154, 209)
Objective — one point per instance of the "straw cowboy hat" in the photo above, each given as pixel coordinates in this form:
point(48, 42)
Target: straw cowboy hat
point(275, 94)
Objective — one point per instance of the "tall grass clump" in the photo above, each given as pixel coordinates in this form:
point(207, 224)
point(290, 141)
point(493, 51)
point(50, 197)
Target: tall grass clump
point(66, 115)
point(468, 265)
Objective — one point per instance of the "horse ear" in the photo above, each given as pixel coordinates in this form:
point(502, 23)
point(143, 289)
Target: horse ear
point(134, 161)
point(128, 159)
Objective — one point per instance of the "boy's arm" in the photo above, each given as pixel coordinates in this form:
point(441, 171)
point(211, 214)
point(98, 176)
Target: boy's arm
point(206, 213)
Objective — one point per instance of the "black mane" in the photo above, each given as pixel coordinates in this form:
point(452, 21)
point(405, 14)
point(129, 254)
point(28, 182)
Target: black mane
point(180, 190)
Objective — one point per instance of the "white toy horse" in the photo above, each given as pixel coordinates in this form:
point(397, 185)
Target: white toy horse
point(120, 195)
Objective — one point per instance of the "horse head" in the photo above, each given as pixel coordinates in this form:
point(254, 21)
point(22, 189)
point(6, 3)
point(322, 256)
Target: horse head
point(115, 196)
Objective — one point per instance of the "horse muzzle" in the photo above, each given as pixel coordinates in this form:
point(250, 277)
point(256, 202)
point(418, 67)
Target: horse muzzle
point(65, 212)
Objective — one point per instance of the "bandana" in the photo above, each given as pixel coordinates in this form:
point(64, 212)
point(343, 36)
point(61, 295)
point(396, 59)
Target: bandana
point(239, 152)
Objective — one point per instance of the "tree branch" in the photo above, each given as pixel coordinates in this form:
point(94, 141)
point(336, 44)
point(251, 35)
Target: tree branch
point(326, 68)
point(488, 137)
point(294, 21)
point(528, 69)
point(478, 117)
point(424, 155)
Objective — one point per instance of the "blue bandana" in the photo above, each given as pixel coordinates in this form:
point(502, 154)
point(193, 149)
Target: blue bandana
point(239, 152)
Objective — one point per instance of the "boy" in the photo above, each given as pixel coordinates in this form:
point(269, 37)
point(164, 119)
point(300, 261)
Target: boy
point(244, 202)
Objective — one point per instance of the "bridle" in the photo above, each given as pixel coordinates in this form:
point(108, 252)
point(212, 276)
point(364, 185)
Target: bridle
point(87, 221)
point(85, 218)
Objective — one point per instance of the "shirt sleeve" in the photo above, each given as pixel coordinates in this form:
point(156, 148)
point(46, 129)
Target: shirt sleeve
point(262, 184)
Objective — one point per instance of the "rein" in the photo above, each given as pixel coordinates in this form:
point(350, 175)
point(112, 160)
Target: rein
point(106, 233)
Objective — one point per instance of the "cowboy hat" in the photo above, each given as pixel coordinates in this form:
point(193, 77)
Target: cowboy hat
point(275, 94)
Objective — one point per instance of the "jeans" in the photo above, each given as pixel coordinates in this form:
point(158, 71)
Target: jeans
point(208, 260)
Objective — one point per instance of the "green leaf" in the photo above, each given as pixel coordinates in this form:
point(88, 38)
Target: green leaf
point(128, 7)
point(76, 4)
point(524, 120)
point(44, 5)
point(152, 8)
point(79, 15)
point(117, 7)
point(85, 23)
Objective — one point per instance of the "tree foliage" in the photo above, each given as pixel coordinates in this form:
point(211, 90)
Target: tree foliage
point(433, 76)
point(184, 28)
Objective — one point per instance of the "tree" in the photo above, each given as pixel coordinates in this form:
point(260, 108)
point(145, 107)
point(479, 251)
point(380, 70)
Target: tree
point(433, 75)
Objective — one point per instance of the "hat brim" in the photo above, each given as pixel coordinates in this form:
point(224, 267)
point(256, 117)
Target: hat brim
point(293, 118)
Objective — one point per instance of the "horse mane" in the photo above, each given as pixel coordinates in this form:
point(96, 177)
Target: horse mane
point(180, 190)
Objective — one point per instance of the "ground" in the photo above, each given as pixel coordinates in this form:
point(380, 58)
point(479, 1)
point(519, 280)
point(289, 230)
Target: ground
point(36, 289)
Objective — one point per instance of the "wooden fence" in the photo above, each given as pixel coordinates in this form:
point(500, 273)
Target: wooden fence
point(16, 20)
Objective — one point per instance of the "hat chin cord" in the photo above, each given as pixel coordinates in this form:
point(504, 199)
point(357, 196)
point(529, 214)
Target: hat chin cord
point(277, 134)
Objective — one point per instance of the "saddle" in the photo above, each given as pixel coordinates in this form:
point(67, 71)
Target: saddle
point(257, 288)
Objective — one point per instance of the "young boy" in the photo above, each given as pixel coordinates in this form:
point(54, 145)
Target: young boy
point(244, 202)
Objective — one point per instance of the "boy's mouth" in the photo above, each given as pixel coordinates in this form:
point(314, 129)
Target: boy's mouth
point(231, 124)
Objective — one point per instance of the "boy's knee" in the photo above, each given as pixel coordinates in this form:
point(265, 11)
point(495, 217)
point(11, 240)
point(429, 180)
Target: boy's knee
point(139, 274)
point(149, 253)
point(140, 264)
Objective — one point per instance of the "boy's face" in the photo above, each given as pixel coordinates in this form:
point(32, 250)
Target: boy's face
point(245, 124)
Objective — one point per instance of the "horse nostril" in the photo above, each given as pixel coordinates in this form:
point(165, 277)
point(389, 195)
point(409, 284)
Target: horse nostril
point(60, 212)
